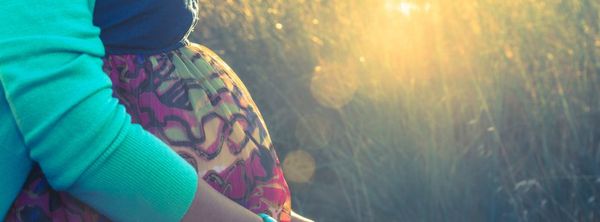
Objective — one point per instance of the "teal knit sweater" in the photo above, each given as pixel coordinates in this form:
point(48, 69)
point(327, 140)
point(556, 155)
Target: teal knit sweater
point(57, 110)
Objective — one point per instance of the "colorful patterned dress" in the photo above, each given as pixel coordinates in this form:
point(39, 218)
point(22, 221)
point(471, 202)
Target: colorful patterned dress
point(193, 101)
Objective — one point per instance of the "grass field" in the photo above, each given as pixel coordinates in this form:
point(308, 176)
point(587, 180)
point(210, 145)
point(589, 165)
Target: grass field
point(438, 110)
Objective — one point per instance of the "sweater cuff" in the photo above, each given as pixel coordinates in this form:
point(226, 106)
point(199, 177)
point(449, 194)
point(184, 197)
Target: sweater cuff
point(141, 180)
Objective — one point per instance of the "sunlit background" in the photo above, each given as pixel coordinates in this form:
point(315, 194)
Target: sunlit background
point(437, 110)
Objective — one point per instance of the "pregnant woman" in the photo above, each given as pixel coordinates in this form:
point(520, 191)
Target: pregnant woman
point(180, 92)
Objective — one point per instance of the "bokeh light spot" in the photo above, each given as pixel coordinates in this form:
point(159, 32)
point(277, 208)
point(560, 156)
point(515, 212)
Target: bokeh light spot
point(299, 166)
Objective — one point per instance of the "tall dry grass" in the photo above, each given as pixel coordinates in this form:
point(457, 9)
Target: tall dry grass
point(440, 110)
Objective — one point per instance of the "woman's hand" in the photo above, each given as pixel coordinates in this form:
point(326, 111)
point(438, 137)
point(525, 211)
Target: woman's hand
point(210, 205)
point(299, 218)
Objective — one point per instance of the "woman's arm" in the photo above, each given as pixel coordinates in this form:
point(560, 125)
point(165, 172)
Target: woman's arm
point(61, 100)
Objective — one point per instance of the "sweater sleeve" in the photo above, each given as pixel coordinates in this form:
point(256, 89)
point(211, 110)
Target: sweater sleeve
point(50, 67)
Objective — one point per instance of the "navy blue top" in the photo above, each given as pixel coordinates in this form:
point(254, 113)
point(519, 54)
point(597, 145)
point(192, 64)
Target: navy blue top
point(144, 26)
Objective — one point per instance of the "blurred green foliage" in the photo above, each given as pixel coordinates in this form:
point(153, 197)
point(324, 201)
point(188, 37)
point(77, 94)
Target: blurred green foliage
point(440, 110)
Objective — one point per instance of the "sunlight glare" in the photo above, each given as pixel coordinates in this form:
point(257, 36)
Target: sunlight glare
point(406, 8)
